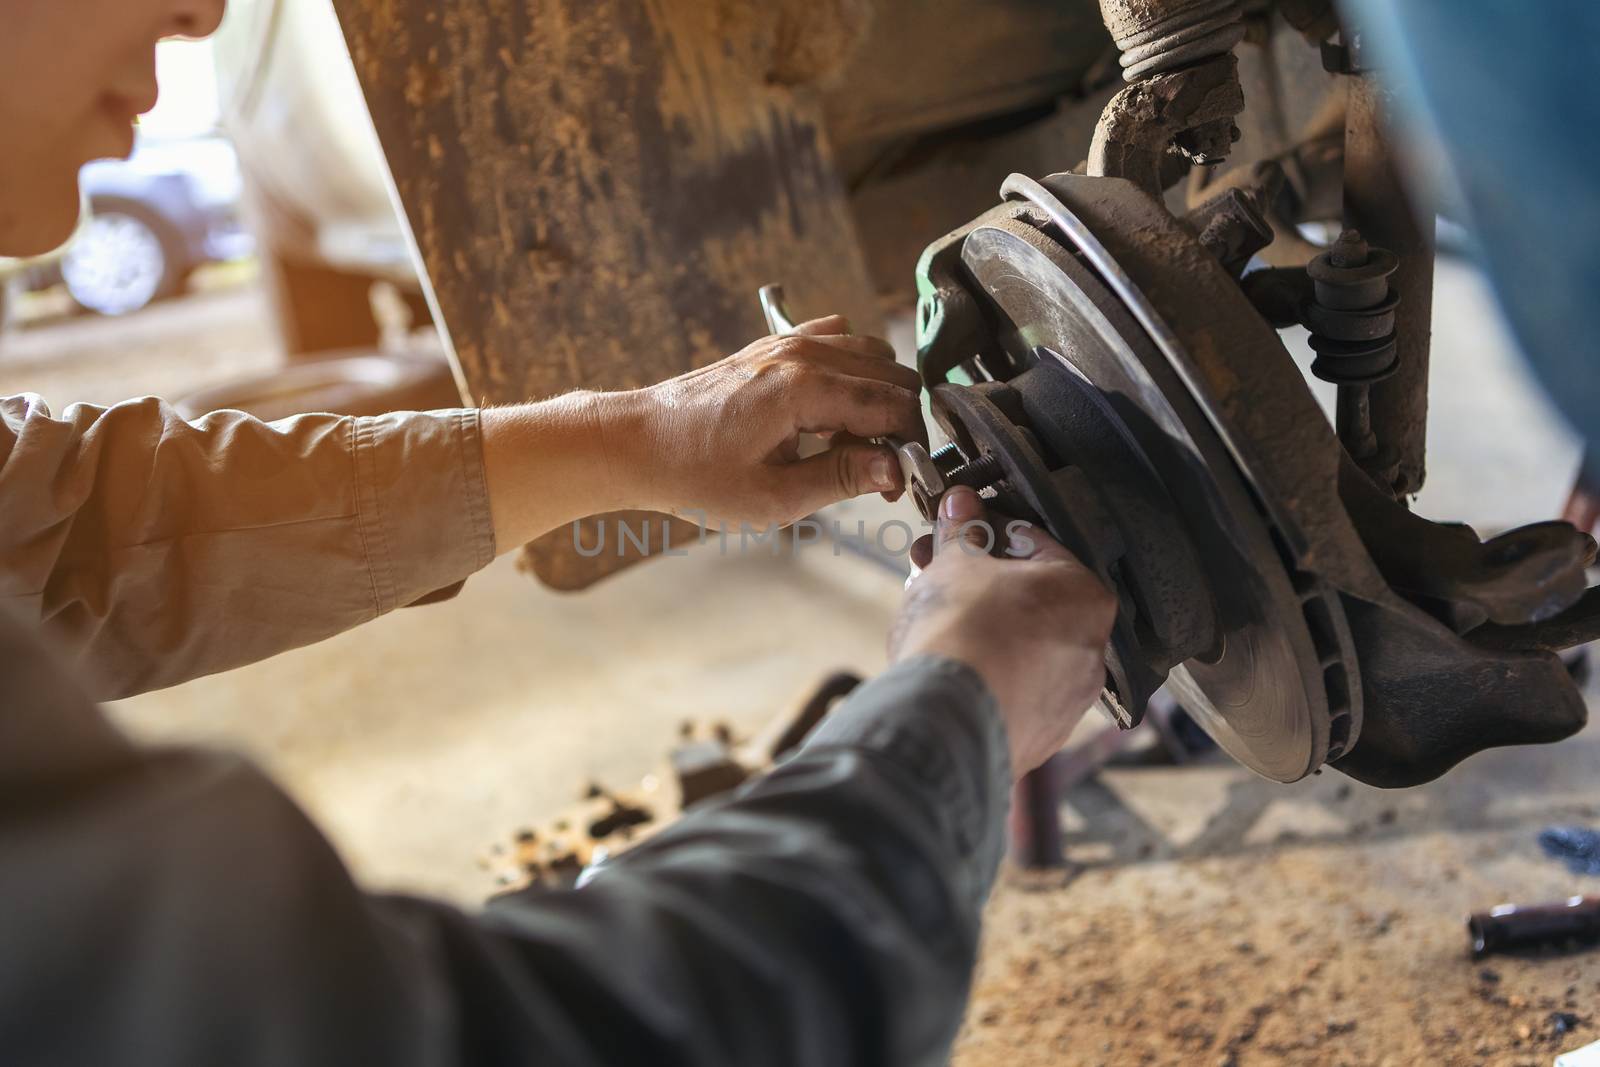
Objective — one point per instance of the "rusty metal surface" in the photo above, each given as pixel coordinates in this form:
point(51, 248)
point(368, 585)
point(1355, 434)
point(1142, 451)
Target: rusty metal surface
point(1235, 365)
point(1161, 35)
point(1232, 226)
point(1578, 625)
point(929, 64)
point(1387, 213)
point(1145, 120)
point(1184, 89)
point(945, 180)
point(1433, 698)
point(1293, 118)
point(1531, 574)
point(1428, 697)
point(596, 188)
point(1289, 97)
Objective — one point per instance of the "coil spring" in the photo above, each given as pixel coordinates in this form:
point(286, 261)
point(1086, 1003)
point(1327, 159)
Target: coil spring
point(1196, 32)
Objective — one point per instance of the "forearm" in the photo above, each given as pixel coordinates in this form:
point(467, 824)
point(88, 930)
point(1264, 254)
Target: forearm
point(549, 463)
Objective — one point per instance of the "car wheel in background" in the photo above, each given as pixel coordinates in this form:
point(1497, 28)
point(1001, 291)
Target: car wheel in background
point(120, 261)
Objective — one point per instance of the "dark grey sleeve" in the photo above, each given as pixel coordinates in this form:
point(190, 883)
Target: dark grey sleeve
point(176, 908)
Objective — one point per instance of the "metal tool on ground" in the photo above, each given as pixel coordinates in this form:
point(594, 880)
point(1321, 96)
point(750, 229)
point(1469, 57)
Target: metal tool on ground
point(1564, 925)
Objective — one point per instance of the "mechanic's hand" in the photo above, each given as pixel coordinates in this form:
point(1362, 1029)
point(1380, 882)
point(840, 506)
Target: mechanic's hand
point(1032, 621)
point(719, 444)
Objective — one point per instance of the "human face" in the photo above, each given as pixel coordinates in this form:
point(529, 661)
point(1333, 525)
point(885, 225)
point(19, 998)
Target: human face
point(74, 75)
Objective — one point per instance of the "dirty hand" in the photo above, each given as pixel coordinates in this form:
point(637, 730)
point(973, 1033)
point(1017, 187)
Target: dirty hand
point(720, 444)
point(1033, 621)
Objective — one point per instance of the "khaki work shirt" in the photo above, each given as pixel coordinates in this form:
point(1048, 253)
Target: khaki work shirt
point(152, 550)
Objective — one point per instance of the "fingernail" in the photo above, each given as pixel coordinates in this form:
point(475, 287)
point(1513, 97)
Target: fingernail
point(881, 471)
point(959, 503)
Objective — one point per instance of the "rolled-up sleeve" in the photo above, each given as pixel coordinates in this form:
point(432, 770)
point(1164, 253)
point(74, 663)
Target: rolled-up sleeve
point(157, 550)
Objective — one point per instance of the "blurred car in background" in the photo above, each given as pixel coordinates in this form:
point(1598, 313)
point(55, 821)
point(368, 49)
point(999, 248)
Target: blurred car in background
point(317, 185)
point(151, 221)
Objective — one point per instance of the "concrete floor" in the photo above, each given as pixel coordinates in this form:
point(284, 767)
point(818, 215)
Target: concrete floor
point(424, 738)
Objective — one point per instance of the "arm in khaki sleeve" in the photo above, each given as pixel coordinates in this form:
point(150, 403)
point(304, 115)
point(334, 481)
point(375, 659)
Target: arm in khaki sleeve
point(158, 550)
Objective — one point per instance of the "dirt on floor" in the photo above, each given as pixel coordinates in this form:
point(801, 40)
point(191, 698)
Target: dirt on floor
point(1223, 920)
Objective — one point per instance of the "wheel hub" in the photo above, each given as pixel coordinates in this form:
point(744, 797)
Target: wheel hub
point(1101, 441)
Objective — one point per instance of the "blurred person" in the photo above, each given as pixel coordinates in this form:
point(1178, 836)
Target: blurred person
point(172, 906)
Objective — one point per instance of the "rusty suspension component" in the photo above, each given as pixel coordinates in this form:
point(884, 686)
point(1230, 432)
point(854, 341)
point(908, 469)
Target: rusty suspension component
point(1183, 88)
point(1379, 204)
point(1154, 38)
point(1351, 315)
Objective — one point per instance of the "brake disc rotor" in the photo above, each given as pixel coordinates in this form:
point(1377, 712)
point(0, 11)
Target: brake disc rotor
point(1268, 687)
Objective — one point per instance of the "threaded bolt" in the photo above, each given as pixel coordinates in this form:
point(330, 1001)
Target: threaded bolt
point(947, 457)
point(1350, 250)
point(979, 474)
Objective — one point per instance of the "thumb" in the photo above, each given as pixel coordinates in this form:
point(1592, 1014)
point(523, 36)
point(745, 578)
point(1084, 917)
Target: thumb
point(963, 521)
point(843, 471)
